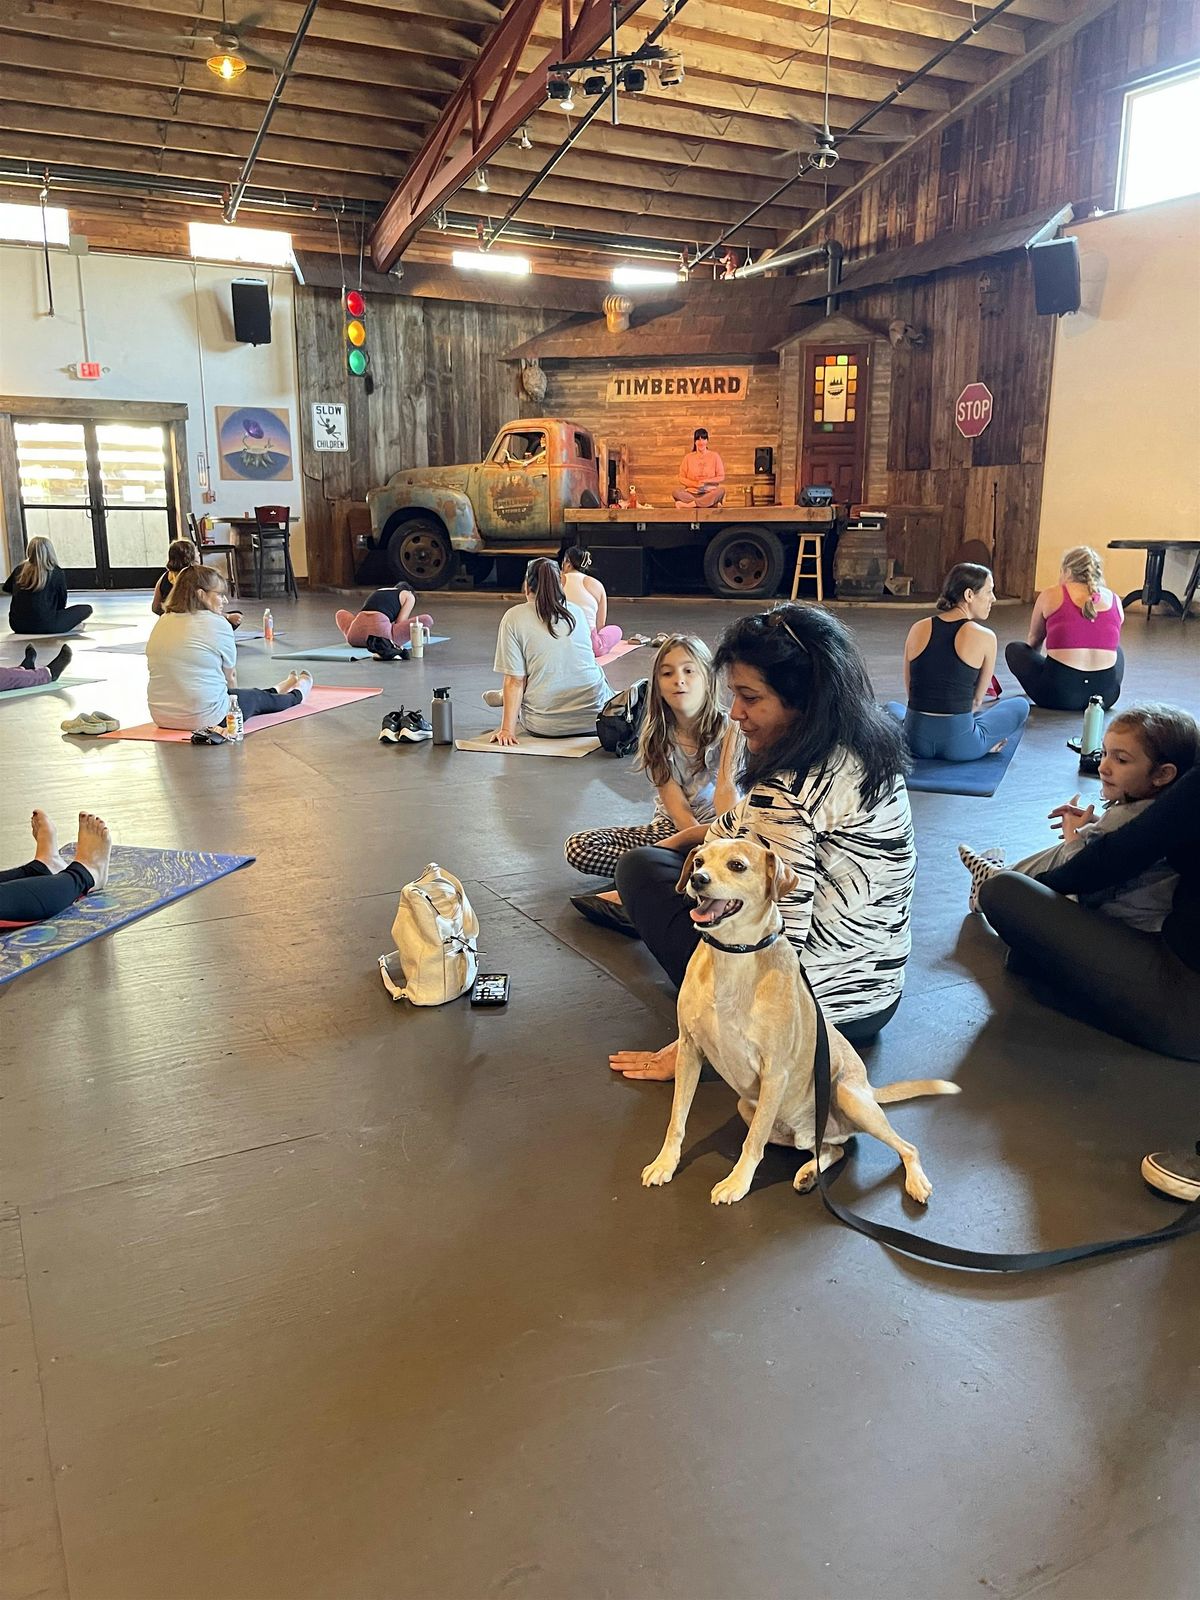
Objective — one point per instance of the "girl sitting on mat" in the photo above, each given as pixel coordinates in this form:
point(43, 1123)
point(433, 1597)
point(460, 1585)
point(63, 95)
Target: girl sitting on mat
point(1145, 750)
point(590, 595)
point(948, 661)
point(181, 554)
point(49, 883)
point(685, 750)
point(39, 593)
point(551, 681)
point(1079, 621)
point(193, 661)
point(382, 625)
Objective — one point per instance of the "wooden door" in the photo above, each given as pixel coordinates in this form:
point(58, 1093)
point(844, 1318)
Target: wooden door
point(833, 420)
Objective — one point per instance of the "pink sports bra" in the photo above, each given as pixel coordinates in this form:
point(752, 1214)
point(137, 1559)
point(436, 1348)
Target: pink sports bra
point(1068, 628)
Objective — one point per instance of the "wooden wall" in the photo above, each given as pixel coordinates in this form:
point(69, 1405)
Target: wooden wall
point(1050, 138)
point(441, 391)
point(658, 434)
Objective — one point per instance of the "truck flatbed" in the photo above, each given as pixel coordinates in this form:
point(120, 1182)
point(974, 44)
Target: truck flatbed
point(700, 517)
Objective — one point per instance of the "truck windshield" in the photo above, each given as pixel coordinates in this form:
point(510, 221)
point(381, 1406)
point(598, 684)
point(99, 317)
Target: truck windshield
point(521, 447)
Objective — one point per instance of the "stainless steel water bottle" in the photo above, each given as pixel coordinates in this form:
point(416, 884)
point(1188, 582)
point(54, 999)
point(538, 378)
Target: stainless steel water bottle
point(1092, 738)
point(442, 717)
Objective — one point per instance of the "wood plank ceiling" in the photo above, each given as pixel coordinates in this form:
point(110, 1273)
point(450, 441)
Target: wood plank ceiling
point(132, 126)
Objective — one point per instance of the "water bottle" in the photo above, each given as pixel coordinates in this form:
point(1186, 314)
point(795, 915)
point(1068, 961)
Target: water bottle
point(233, 721)
point(442, 717)
point(268, 626)
point(416, 635)
point(1092, 737)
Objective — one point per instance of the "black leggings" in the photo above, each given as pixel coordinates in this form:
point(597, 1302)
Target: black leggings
point(1097, 969)
point(32, 893)
point(265, 702)
point(1050, 684)
point(646, 879)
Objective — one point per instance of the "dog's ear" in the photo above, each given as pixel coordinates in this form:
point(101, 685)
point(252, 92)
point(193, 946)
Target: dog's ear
point(781, 880)
point(681, 886)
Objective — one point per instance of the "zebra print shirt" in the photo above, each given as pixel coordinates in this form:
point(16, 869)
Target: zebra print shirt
point(849, 918)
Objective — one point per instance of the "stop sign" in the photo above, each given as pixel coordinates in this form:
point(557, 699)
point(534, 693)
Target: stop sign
point(973, 410)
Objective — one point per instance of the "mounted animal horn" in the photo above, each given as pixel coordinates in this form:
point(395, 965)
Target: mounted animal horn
point(616, 311)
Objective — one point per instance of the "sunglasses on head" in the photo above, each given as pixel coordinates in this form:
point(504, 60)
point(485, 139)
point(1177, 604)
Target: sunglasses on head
point(776, 619)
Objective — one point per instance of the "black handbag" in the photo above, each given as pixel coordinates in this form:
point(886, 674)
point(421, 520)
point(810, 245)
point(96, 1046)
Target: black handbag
point(620, 719)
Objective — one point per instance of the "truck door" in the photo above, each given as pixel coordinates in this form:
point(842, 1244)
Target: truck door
point(573, 476)
point(513, 504)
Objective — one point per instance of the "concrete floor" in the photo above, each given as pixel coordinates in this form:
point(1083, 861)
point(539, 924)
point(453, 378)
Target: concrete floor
point(308, 1294)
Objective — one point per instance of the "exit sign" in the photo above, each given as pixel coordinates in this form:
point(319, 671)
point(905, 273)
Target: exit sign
point(87, 369)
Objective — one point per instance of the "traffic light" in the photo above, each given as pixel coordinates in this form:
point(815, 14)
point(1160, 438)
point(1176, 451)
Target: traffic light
point(357, 358)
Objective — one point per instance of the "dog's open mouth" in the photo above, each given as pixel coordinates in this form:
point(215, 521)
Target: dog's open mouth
point(710, 912)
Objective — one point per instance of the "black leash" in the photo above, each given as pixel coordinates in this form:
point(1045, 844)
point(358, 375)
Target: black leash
point(951, 1255)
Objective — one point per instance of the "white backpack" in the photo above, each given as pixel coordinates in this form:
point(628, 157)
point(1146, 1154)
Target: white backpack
point(436, 934)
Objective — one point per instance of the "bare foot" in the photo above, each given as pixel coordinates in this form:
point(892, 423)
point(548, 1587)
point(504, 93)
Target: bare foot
point(612, 895)
point(996, 748)
point(46, 835)
point(292, 681)
point(653, 1066)
point(94, 846)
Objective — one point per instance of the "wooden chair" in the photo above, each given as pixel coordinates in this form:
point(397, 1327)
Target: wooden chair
point(206, 548)
point(272, 525)
point(809, 549)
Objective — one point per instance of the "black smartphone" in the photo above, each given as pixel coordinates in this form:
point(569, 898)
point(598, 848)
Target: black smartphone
point(491, 989)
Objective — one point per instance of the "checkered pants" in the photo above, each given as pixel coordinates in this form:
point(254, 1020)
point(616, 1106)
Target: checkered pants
point(597, 852)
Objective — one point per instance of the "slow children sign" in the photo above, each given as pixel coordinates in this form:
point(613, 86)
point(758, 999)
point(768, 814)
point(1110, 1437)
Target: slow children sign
point(723, 383)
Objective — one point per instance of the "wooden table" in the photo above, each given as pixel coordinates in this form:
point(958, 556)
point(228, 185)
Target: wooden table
point(1152, 592)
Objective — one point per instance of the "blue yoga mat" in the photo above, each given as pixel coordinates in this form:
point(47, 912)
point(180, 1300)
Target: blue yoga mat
point(140, 880)
point(46, 688)
point(980, 777)
point(341, 652)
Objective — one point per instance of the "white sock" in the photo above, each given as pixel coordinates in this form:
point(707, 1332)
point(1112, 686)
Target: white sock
point(493, 697)
point(304, 683)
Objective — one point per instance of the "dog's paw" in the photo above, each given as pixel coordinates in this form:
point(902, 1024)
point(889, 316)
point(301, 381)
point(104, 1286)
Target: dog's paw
point(658, 1172)
point(805, 1178)
point(731, 1189)
point(916, 1185)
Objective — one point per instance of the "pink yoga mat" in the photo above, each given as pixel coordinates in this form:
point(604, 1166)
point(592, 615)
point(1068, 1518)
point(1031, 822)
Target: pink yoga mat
point(321, 698)
point(617, 651)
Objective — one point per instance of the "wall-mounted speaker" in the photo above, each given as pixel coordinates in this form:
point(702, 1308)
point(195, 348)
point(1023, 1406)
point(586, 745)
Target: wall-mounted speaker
point(251, 311)
point(1055, 267)
point(764, 458)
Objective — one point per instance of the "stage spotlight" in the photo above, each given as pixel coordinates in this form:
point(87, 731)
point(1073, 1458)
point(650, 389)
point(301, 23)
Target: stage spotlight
point(595, 84)
point(634, 79)
point(561, 91)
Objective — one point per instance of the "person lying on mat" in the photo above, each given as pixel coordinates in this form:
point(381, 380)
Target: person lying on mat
point(948, 662)
point(701, 475)
point(552, 684)
point(590, 595)
point(1079, 622)
point(49, 883)
point(39, 593)
point(181, 554)
point(28, 675)
point(382, 625)
point(193, 661)
point(823, 788)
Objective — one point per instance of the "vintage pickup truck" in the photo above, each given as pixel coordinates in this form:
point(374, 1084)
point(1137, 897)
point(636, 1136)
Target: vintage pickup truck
point(536, 491)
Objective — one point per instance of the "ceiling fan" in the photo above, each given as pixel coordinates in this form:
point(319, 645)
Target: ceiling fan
point(229, 54)
point(821, 151)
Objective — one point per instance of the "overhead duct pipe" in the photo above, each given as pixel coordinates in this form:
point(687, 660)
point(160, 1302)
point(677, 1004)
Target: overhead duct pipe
point(830, 252)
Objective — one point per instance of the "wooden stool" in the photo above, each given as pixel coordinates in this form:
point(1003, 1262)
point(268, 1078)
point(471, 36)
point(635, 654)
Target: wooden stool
point(809, 549)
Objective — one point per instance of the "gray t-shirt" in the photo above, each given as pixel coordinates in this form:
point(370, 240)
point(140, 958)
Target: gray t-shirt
point(187, 652)
point(564, 687)
point(699, 788)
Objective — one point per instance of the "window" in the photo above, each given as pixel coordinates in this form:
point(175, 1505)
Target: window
point(24, 224)
point(259, 247)
point(583, 447)
point(1160, 141)
point(520, 449)
point(835, 392)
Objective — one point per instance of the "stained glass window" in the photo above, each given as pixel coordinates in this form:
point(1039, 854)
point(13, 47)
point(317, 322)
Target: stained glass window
point(835, 392)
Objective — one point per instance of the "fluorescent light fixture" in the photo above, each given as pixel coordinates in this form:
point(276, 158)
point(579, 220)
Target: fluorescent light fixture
point(479, 261)
point(23, 224)
point(258, 247)
point(641, 277)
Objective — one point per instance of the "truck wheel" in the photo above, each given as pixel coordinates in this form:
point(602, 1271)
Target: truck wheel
point(419, 553)
point(744, 563)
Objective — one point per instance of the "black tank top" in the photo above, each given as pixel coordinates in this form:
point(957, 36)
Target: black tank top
point(939, 679)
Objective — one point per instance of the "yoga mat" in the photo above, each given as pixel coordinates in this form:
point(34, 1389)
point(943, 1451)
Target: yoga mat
point(617, 651)
point(140, 880)
point(980, 777)
point(342, 652)
point(529, 744)
point(322, 698)
point(47, 688)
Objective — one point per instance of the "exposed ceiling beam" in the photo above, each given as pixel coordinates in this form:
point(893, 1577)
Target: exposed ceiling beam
point(648, 172)
point(471, 11)
point(893, 19)
point(632, 223)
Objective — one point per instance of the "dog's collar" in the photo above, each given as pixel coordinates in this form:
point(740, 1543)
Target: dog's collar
point(742, 949)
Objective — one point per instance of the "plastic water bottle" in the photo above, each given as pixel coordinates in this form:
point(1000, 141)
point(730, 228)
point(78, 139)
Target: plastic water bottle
point(417, 635)
point(1092, 737)
point(442, 717)
point(234, 723)
point(268, 626)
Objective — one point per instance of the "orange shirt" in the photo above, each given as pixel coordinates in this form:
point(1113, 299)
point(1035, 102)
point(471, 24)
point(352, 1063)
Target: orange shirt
point(697, 468)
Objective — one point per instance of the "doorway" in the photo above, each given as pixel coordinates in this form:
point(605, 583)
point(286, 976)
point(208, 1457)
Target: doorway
point(102, 493)
point(833, 420)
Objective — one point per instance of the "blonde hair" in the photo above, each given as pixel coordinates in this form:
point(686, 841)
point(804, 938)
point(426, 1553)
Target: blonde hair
point(40, 561)
point(658, 735)
point(190, 585)
point(1081, 564)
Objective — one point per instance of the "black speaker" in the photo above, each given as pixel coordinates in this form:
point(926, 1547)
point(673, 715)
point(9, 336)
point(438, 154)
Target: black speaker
point(251, 311)
point(620, 568)
point(764, 458)
point(1055, 276)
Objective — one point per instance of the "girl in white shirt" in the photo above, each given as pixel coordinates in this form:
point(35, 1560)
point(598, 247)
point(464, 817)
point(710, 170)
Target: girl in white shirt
point(590, 595)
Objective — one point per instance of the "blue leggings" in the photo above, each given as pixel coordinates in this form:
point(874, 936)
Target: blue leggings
point(965, 737)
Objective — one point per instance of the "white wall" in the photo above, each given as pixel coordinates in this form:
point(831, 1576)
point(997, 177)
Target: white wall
point(142, 314)
point(1123, 438)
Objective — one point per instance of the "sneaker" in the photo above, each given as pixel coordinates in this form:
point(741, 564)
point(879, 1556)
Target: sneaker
point(982, 865)
point(382, 649)
point(415, 729)
point(389, 733)
point(1174, 1173)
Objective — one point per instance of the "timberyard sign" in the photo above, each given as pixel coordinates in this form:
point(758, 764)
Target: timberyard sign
point(716, 383)
point(973, 410)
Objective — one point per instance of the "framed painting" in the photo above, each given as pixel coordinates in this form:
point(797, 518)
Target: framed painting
point(254, 443)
